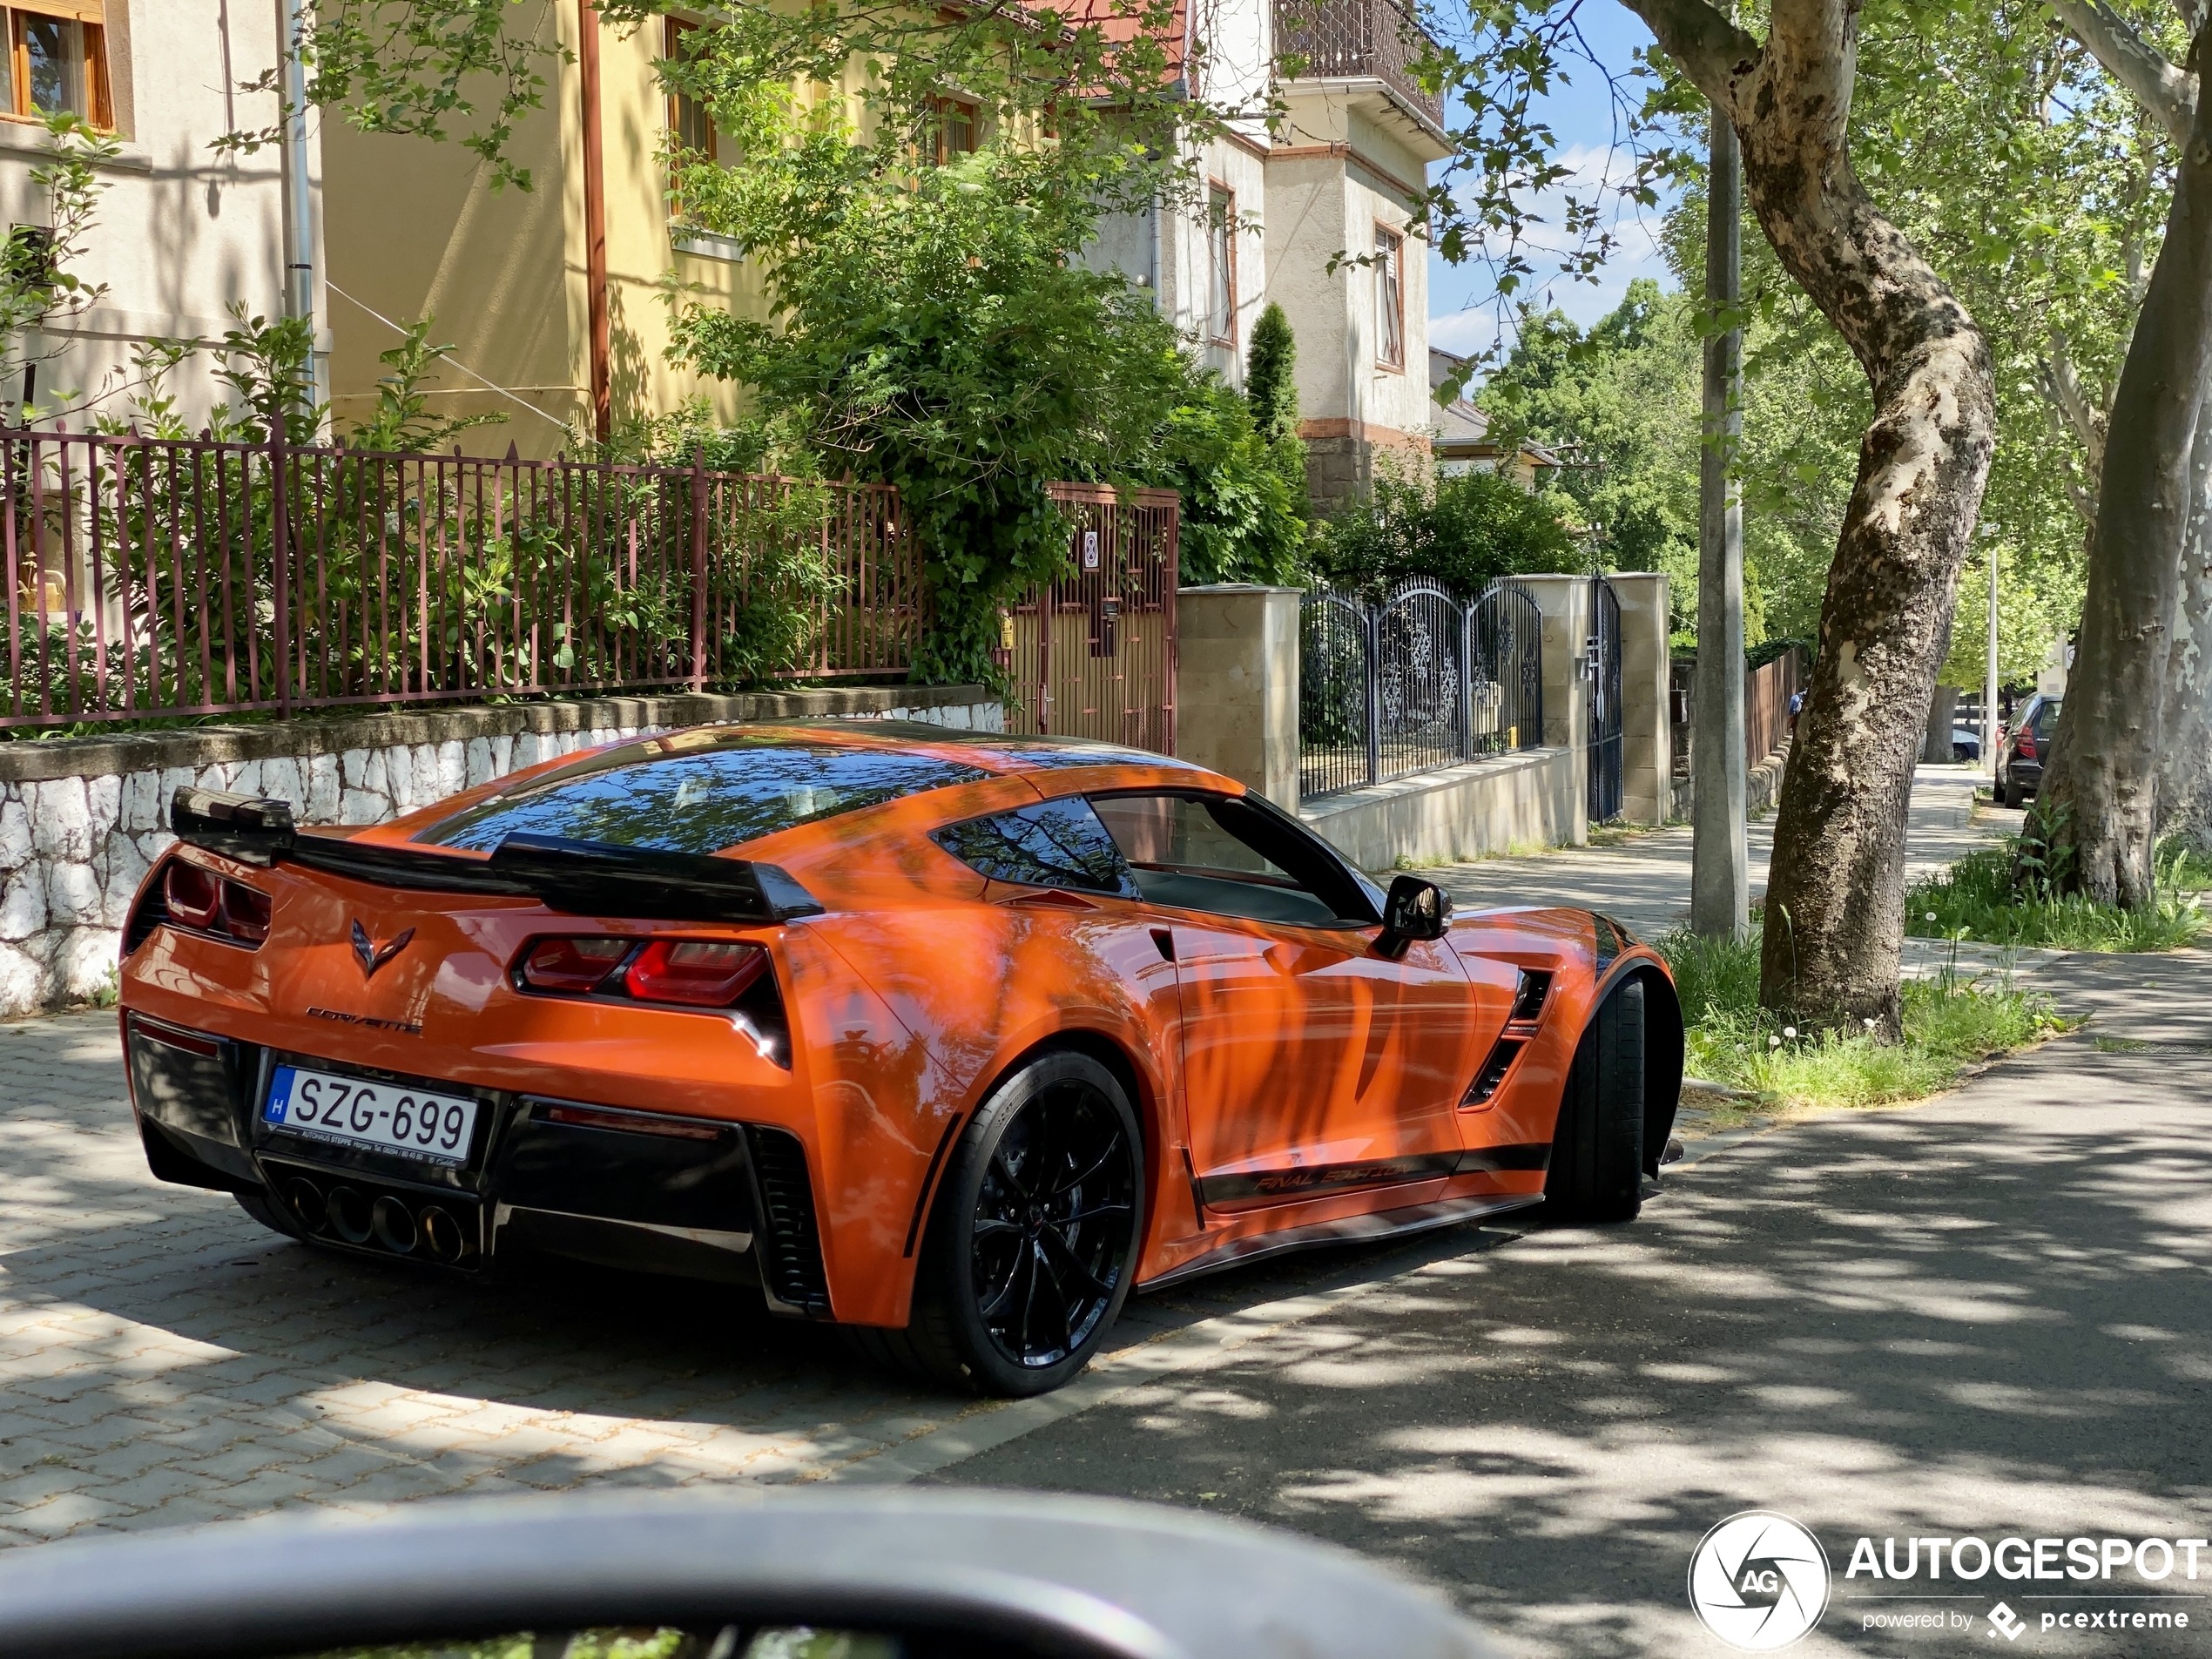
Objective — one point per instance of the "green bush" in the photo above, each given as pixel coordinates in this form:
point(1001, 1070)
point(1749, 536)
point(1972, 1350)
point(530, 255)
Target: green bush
point(1241, 517)
point(1463, 531)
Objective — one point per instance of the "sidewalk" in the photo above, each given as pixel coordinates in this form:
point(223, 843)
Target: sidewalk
point(1643, 881)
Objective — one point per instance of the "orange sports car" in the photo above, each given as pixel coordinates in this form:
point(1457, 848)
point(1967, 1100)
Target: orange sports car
point(954, 1039)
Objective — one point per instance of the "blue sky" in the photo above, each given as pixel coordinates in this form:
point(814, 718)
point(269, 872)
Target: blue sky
point(1461, 317)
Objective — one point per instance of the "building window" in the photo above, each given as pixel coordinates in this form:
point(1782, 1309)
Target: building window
point(953, 125)
point(689, 124)
point(1390, 298)
point(57, 61)
point(1221, 257)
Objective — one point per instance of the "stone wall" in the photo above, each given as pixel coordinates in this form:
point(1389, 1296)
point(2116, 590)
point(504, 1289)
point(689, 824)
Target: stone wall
point(82, 820)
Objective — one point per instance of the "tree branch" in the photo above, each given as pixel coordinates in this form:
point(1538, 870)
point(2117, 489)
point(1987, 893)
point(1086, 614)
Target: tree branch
point(2063, 388)
point(1812, 58)
point(2168, 93)
point(1712, 51)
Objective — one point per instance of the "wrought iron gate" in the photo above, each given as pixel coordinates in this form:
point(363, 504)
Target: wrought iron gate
point(1603, 665)
point(1092, 654)
point(1414, 683)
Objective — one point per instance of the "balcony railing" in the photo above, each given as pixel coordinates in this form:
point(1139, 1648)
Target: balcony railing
point(1357, 39)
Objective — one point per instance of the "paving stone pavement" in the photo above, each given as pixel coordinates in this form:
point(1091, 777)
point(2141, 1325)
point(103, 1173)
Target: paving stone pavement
point(165, 1360)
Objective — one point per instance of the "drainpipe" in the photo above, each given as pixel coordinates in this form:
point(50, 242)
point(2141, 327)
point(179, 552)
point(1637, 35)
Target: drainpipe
point(299, 208)
point(595, 224)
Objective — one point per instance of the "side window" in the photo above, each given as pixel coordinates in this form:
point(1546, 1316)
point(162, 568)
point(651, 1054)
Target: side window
point(1228, 856)
point(1054, 844)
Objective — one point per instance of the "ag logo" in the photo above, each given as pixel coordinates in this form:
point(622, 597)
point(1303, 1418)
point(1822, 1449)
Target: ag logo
point(1758, 1581)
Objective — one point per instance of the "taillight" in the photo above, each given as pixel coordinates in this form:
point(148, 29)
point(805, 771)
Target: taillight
point(571, 965)
point(194, 896)
point(246, 913)
point(208, 903)
point(2027, 746)
point(700, 973)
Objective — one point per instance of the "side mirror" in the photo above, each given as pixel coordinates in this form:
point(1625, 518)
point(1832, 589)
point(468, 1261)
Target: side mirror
point(1415, 909)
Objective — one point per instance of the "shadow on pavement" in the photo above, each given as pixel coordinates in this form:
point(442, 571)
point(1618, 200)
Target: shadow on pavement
point(1985, 1316)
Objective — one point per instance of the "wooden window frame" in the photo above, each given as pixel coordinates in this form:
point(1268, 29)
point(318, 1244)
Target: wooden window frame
point(941, 128)
point(1226, 231)
point(91, 17)
point(671, 40)
point(1385, 230)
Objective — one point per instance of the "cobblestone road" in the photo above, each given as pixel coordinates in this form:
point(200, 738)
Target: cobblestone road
point(165, 1360)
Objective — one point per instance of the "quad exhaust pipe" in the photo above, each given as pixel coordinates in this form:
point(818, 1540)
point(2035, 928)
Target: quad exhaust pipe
point(394, 1223)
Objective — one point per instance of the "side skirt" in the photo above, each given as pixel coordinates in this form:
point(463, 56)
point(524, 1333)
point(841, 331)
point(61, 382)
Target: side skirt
point(1348, 1230)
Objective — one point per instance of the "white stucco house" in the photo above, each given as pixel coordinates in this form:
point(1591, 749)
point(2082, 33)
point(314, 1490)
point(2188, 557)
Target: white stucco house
point(1340, 176)
point(181, 230)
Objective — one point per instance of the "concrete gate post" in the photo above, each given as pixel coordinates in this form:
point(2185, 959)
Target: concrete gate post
point(1237, 684)
point(1647, 734)
point(1565, 602)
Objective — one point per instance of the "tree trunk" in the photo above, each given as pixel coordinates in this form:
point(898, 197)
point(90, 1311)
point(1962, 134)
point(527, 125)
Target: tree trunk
point(1835, 896)
point(2185, 759)
point(1943, 719)
point(2099, 804)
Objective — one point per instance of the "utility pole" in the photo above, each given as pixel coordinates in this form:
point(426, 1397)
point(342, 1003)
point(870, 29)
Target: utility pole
point(601, 346)
point(1989, 677)
point(1720, 876)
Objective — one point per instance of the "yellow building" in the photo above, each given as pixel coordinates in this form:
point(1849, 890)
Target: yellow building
point(411, 227)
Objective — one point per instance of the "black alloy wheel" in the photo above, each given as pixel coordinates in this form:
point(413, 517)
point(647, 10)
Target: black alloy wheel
point(1033, 1236)
point(1048, 1238)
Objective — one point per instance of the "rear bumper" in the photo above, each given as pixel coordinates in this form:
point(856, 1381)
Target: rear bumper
point(625, 1189)
point(2026, 776)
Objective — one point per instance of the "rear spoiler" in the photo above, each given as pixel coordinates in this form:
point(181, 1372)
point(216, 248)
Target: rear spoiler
point(580, 878)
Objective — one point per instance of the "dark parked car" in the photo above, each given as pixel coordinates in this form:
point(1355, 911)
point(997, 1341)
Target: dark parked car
point(2023, 749)
point(1966, 743)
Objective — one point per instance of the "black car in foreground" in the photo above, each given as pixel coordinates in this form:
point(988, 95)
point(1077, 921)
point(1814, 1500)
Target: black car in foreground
point(2022, 752)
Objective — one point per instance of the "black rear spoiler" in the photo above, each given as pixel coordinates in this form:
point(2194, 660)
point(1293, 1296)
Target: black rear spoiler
point(581, 878)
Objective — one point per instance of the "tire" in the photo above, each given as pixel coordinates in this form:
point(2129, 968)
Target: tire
point(1016, 1290)
point(2008, 797)
point(1596, 1171)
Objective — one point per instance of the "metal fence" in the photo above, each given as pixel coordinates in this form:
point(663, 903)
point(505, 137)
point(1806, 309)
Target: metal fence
point(1414, 683)
point(1357, 39)
point(1093, 654)
point(151, 578)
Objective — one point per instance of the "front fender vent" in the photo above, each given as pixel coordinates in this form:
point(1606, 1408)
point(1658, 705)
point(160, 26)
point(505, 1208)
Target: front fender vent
point(1529, 996)
point(792, 1259)
point(1492, 1077)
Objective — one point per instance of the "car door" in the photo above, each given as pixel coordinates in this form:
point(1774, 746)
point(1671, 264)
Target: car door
point(1313, 1062)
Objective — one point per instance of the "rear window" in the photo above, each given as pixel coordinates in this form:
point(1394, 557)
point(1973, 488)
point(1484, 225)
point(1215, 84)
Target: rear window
point(2047, 717)
point(697, 792)
point(1053, 844)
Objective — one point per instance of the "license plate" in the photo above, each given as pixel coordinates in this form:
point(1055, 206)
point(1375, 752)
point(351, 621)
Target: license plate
point(355, 1111)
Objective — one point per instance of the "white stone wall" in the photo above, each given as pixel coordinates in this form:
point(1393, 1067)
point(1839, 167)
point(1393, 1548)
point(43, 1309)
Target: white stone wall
point(73, 850)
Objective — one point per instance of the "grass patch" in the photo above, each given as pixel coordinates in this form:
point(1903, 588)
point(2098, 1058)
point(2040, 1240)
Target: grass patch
point(1949, 1022)
point(1977, 899)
